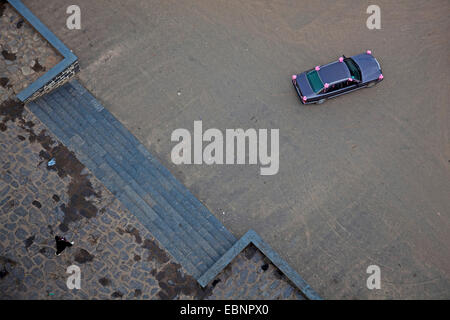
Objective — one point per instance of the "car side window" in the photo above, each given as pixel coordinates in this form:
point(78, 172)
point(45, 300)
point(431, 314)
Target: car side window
point(335, 87)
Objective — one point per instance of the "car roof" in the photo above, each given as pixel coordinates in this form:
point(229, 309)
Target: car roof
point(334, 72)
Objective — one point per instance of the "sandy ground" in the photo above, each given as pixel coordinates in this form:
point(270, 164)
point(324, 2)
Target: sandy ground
point(364, 178)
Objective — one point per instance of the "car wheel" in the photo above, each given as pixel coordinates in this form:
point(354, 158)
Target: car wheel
point(320, 101)
point(371, 84)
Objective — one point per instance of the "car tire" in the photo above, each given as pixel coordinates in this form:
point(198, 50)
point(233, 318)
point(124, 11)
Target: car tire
point(371, 84)
point(320, 101)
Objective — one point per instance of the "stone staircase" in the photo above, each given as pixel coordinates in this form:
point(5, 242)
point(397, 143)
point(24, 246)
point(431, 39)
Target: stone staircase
point(180, 222)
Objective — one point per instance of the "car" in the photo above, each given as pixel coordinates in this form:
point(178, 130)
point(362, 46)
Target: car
point(336, 78)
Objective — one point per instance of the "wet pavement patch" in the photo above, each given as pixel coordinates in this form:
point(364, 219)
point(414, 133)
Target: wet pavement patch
point(37, 67)
point(4, 81)
point(20, 24)
point(250, 251)
point(80, 189)
point(47, 252)
point(2, 7)
point(82, 256)
point(10, 110)
point(8, 56)
point(117, 294)
point(132, 231)
point(29, 241)
point(173, 282)
point(3, 273)
point(155, 251)
point(104, 281)
point(6, 265)
point(215, 282)
point(37, 204)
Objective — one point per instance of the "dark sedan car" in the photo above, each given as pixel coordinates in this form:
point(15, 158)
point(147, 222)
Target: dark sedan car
point(336, 78)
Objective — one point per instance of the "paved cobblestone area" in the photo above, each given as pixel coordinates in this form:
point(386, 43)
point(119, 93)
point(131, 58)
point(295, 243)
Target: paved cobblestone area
point(117, 256)
point(24, 54)
point(119, 259)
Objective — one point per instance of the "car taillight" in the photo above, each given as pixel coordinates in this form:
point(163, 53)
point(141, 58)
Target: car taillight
point(304, 99)
point(380, 77)
point(369, 52)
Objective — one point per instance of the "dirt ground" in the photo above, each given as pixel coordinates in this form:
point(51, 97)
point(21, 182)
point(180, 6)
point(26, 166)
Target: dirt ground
point(364, 178)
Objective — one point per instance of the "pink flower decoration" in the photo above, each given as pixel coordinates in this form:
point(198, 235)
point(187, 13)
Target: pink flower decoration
point(369, 52)
point(381, 77)
point(350, 79)
point(341, 59)
point(294, 77)
point(326, 85)
point(317, 68)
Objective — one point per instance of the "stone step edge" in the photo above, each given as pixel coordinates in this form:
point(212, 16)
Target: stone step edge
point(251, 237)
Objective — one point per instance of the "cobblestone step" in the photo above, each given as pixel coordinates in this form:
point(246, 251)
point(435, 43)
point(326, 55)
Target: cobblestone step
point(180, 222)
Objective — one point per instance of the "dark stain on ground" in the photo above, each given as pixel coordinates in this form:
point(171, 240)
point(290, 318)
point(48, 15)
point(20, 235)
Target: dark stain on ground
point(20, 24)
point(215, 282)
point(10, 110)
point(2, 7)
point(5, 265)
point(137, 293)
point(29, 241)
point(21, 138)
point(50, 229)
point(46, 252)
point(4, 82)
point(3, 273)
point(56, 198)
point(278, 274)
point(80, 188)
point(82, 256)
point(264, 267)
point(250, 251)
point(173, 282)
point(155, 252)
point(37, 204)
point(132, 231)
point(117, 294)
point(104, 281)
point(37, 67)
point(8, 56)
point(137, 257)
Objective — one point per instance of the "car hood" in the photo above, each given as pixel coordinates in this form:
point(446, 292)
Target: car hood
point(369, 66)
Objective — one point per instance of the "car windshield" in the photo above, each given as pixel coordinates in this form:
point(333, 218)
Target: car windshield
point(314, 81)
point(353, 68)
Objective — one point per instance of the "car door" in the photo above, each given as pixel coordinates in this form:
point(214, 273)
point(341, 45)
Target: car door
point(339, 88)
